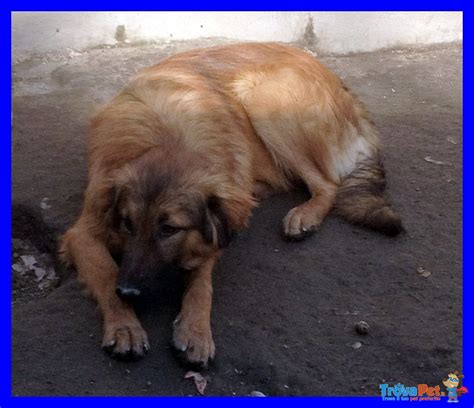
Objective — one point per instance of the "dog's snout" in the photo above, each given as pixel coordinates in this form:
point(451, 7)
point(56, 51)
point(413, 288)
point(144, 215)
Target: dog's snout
point(126, 292)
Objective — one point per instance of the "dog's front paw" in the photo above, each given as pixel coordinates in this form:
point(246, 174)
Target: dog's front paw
point(300, 222)
point(125, 339)
point(194, 340)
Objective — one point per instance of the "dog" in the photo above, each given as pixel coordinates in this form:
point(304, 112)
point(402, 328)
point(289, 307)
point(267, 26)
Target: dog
point(180, 157)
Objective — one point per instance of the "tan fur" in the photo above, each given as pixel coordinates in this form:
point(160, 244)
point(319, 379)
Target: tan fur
point(220, 122)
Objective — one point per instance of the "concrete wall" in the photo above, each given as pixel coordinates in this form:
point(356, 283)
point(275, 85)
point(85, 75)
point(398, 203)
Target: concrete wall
point(331, 32)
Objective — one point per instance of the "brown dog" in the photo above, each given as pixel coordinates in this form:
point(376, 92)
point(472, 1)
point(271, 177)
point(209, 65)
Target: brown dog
point(178, 158)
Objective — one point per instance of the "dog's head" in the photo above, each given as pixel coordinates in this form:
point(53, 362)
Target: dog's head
point(165, 213)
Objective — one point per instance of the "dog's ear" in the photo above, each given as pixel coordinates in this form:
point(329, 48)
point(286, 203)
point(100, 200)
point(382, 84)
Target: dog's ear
point(114, 195)
point(116, 191)
point(114, 199)
point(215, 228)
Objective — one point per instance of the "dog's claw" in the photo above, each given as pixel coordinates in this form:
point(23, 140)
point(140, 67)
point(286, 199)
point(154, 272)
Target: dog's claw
point(111, 343)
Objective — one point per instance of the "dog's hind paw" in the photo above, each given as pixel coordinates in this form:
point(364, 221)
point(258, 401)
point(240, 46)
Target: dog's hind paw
point(299, 223)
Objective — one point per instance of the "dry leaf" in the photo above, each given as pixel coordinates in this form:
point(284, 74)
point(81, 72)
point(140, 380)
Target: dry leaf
point(29, 261)
point(40, 273)
point(17, 267)
point(199, 381)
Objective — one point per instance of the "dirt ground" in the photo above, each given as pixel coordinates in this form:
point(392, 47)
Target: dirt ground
point(284, 313)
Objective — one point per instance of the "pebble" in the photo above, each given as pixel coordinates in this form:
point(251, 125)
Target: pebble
point(362, 327)
point(423, 272)
point(45, 204)
point(257, 394)
point(357, 345)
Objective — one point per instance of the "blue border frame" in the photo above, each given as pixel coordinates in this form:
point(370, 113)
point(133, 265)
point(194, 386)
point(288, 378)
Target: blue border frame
point(242, 5)
point(6, 7)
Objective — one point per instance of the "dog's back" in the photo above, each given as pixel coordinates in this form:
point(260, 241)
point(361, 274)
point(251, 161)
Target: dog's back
point(302, 114)
point(268, 113)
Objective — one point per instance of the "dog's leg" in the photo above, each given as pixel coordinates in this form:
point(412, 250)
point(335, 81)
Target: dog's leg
point(306, 218)
point(262, 191)
point(192, 328)
point(124, 336)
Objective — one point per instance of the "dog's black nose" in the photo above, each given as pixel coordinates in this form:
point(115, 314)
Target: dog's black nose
point(126, 292)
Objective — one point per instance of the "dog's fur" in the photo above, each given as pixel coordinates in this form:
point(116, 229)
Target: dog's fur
point(178, 159)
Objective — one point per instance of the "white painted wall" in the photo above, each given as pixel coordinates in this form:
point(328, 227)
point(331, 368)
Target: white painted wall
point(336, 32)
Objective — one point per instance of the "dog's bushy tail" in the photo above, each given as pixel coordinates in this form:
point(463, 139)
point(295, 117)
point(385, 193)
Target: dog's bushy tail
point(360, 199)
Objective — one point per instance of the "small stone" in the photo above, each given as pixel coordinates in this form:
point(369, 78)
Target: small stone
point(148, 383)
point(45, 204)
point(423, 272)
point(73, 54)
point(362, 327)
point(257, 394)
point(357, 345)
point(286, 387)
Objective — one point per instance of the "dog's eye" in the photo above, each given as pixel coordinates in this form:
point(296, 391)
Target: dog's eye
point(127, 225)
point(167, 230)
